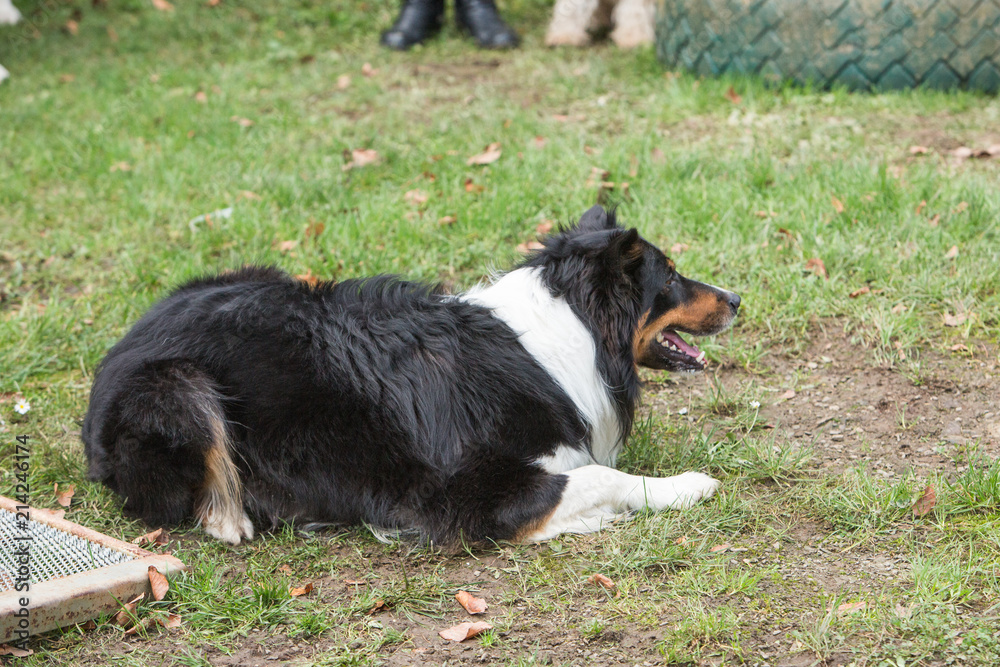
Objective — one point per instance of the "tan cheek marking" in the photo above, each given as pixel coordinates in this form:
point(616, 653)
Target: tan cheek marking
point(526, 531)
point(696, 315)
point(640, 340)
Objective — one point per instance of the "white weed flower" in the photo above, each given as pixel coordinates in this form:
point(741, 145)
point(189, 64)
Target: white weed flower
point(754, 404)
point(21, 406)
point(682, 411)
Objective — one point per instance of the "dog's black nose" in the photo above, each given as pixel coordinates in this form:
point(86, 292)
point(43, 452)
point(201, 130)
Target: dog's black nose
point(734, 301)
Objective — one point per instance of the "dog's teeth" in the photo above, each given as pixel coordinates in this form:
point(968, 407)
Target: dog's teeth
point(700, 357)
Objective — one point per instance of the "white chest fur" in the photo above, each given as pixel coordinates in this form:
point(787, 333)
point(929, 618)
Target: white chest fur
point(557, 339)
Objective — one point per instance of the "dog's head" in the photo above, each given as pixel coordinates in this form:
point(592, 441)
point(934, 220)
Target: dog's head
point(630, 292)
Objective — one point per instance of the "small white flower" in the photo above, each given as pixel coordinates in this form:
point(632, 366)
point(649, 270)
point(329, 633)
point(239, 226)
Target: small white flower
point(21, 406)
point(682, 411)
point(754, 404)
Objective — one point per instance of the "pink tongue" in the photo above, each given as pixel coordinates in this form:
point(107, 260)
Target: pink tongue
point(689, 350)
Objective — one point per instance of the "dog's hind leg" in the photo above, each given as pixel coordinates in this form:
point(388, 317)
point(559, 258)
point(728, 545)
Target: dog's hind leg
point(634, 21)
point(595, 496)
point(161, 441)
point(570, 19)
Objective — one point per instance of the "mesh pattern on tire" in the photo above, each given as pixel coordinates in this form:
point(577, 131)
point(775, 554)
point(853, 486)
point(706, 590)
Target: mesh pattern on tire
point(860, 44)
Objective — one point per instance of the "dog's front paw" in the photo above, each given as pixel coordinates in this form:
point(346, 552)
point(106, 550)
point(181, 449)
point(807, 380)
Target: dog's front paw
point(632, 36)
point(555, 37)
point(692, 487)
point(228, 527)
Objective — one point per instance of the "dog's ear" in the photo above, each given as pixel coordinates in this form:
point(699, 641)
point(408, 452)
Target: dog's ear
point(596, 219)
point(624, 251)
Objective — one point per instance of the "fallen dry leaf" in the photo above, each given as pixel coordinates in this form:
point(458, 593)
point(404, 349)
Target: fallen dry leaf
point(682, 540)
point(463, 631)
point(242, 122)
point(379, 605)
point(902, 611)
point(343, 82)
point(355, 582)
point(368, 70)
point(158, 536)
point(788, 395)
point(733, 96)
point(959, 347)
point(474, 188)
point(918, 150)
point(921, 205)
point(719, 547)
point(314, 229)
point(213, 3)
point(543, 227)
point(7, 649)
point(88, 626)
point(66, 497)
point(952, 252)
point(201, 96)
point(171, 621)
point(962, 152)
point(246, 194)
point(121, 166)
point(72, 27)
point(360, 157)
point(300, 591)
point(658, 156)
point(851, 607)
point(962, 205)
point(956, 320)
point(157, 582)
point(838, 205)
point(539, 142)
point(817, 266)
point(66, 78)
point(678, 248)
point(864, 289)
point(163, 5)
point(472, 604)
point(285, 246)
point(447, 220)
point(415, 197)
point(285, 569)
point(530, 246)
point(127, 612)
point(898, 308)
point(602, 581)
point(488, 156)
point(925, 503)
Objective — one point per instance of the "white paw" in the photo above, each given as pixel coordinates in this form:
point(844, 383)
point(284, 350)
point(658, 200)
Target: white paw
point(629, 37)
point(692, 487)
point(567, 38)
point(228, 527)
point(8, 13)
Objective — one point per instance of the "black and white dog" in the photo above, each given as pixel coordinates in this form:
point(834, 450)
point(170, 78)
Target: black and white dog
point(8, 16)
point(252, 398)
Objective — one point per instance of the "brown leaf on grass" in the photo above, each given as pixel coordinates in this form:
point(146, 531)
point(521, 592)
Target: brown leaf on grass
point(285, 569)
point(962, 205)
point(285, 246)
point(171, 621)
point(955, 320)
point(720, 547)
point(242, 122)
point(447, 220)
point(962, 152)
point(682, 540)
point(920, 206)
point(838, 205)
point(301, 590)
point(733, 96)
point(157, 582)
point(525, 248)
point(163, 5)
point(933, 222)
point(72, 27)
point(679, 248)
point(925, 503)
point(213, 3)
point(918, 150)
point(314, 229)
point(66, 497)
point(898, 308)
point(658, 156)
point(355, 582)
point(126, 614)
point(343, 82)
point(597, 176)
point(201, 97)
point(159, 536)
point(488, 156)
point(816, 265)
point(121, 166)
point(952, 252)
point(543, 227)
point(539, 142)
point(463, 631)
point(474, 188)
point(309, 279)
point(368, 71)
point(602, 581)
point(415, 197)
point(7, 649)
point(903, 611)
point(851, 607)
point(959, 347)
point(66, 78)
point(247, 194)
point(788, 395)
point(470, 602)
point(360, 157)
point(864, 289)
point(88, 626)
point(380, 605)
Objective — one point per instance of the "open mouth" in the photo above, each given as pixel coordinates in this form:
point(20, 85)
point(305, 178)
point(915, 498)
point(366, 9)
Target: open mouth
point(683, 354)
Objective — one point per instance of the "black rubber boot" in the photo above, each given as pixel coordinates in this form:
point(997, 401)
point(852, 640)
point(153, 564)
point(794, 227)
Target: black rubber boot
point(417, 20)
point(481, 19)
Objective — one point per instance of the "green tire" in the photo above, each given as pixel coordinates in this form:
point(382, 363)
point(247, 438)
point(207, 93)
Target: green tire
point(857, 44)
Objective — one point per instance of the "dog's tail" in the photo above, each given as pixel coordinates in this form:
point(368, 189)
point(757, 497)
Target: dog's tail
point(158, 436)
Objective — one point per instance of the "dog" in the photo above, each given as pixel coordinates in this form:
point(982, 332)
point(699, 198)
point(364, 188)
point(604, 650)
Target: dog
point(253, 399)
point(8, 16)
point(573, 21)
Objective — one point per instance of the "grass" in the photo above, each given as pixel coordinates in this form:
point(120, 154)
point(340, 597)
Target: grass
point(115, 141)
